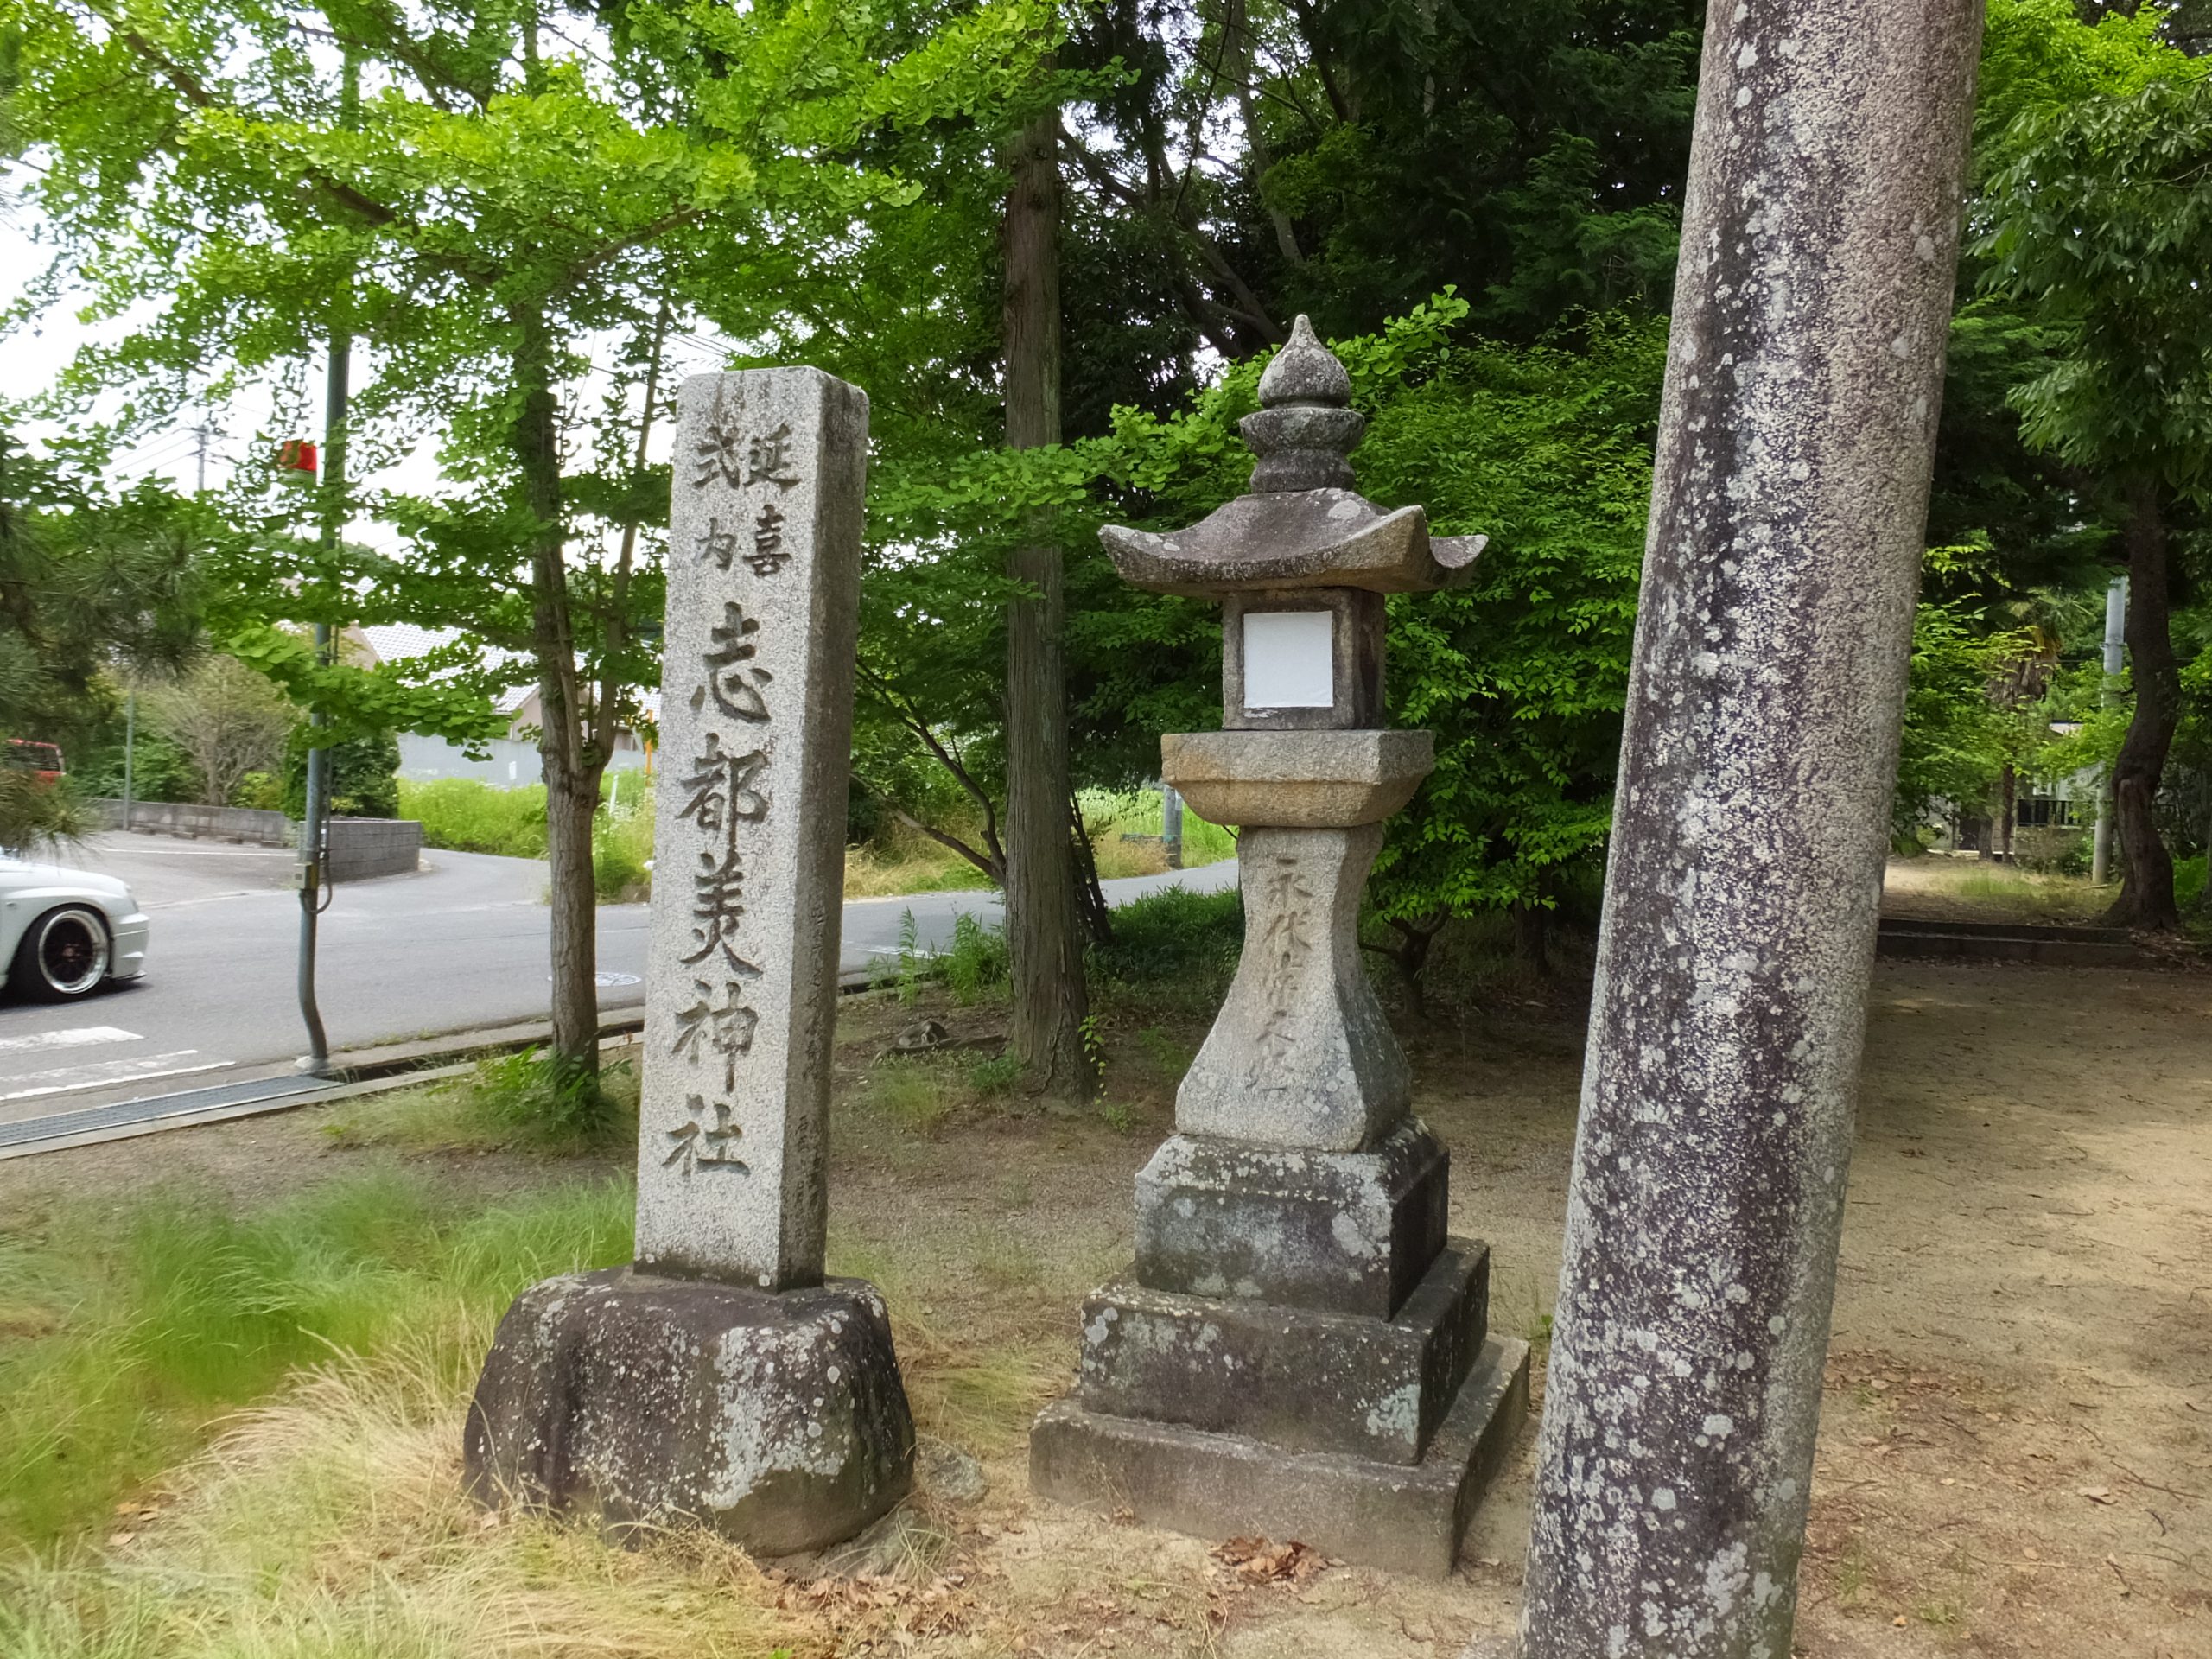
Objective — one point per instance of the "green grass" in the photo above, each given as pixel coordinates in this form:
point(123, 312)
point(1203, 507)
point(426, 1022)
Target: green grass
point(2038, 898)
point(468, 817)
point(1138, 813)
point(123, 1336)
point(1173, 947)
point(505, 1101)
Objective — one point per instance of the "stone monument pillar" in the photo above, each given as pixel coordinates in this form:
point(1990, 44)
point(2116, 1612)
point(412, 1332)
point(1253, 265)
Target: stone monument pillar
point(721, 1379)
point(1299, 1350)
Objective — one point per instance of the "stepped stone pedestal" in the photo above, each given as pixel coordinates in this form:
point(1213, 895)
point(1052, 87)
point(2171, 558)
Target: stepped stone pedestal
point(1300, 1350)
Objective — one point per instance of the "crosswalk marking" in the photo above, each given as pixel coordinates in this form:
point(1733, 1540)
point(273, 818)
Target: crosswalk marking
point(66, 1079)
point(78, 1036)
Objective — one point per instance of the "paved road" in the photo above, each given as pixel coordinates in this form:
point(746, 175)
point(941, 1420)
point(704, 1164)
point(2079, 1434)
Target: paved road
point(462, 943)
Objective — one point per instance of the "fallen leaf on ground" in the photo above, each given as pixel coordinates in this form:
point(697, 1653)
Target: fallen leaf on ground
point(1256, 1560)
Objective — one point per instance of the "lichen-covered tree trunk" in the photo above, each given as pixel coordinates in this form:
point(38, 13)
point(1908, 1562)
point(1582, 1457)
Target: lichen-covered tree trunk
point(573, 761)
point(2146, 894)
point(1043, 924)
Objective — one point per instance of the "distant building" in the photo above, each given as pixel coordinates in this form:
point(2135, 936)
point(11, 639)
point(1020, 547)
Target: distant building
point(512, 761)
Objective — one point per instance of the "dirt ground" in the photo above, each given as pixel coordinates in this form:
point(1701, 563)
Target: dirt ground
point(2016, 1454)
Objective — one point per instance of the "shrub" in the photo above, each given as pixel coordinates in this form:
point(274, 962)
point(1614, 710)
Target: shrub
point(465, 816)
point(977, 963)
point(1174, 938)
point(622, 853)
point(547, 1098)
point(361, 775)
point(261, 792)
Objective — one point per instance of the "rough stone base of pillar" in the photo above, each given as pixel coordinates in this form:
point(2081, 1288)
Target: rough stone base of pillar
point(1408, 1518)
point(776, 1418)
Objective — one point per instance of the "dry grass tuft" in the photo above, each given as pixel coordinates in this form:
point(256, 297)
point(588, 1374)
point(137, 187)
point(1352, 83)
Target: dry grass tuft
point(331, 1522)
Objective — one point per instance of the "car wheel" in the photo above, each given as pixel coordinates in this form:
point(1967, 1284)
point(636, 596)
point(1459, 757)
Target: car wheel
point(63, 954)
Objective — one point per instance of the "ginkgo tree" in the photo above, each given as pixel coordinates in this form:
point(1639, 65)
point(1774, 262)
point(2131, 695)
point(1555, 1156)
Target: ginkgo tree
point(494, 199)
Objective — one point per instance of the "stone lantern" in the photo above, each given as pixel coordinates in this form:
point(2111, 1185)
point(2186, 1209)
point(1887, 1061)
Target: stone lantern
point(1300, 1350)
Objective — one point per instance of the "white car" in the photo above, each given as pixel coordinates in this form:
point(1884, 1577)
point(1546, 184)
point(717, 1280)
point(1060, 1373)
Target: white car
point(64, 933)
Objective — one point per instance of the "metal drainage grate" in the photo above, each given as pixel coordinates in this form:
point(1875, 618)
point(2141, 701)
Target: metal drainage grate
point(148, 1108)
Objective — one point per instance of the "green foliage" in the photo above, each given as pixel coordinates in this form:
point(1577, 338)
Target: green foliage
point(1530, 152)
point(469, 816)
point(1108, 814)
point(977, 965)
point(622, 851)
point(496, 203)
point(2101, 219)
point(1521, 672)
point(548, 1099)
point(90, 578)
point(1173, 939)
point(2040, 58)
point(1956, 737)
point(910, 958)
point(995, 1078)
point(361, 775)
point(124, 1332)
point(160, 770)
point(261, 792)
point(365, 703)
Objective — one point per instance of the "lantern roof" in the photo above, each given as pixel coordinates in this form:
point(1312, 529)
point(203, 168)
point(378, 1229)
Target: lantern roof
point(1302, 524)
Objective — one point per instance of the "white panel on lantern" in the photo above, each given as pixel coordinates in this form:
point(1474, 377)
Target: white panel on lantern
point(1289, 659)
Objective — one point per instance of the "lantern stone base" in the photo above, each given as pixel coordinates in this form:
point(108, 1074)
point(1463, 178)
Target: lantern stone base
point(1299, 1380)
point(1407, 1517)
point(1342, 1232)
point(776, 1418)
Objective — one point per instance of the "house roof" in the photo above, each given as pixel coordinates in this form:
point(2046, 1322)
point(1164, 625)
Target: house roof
point(392, 642)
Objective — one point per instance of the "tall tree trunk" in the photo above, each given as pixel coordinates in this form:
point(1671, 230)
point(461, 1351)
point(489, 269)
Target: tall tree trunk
point(573, 763)
point(2147, 894)
point(1043, 928)
point(1532, 933)
point(2009, 787)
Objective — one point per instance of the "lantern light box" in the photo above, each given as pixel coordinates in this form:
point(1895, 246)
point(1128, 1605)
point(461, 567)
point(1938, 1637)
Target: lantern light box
point(1289, 659)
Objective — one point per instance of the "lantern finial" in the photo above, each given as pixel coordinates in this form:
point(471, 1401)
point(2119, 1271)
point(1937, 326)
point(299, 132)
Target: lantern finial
point(1304, 429)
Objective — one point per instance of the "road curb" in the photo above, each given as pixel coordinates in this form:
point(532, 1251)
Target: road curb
point(353, 1073)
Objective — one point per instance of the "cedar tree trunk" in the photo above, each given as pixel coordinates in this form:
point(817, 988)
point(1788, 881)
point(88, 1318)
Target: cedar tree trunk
point(1042, 926)
point(2146, 894)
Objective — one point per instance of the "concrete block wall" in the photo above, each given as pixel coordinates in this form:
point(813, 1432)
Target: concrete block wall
point(237, 824)
point(362, 847)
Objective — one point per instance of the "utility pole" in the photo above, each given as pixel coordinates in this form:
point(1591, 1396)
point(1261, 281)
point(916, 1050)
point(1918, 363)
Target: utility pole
point(2115, 660)
point(205, 432)
point(130, 748)
point(331, 503)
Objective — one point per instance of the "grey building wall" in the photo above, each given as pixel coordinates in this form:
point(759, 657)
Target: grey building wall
point(513, 764)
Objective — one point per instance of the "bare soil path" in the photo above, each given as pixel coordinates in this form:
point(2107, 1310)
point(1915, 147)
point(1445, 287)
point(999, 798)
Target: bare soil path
point(2016, 1455)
